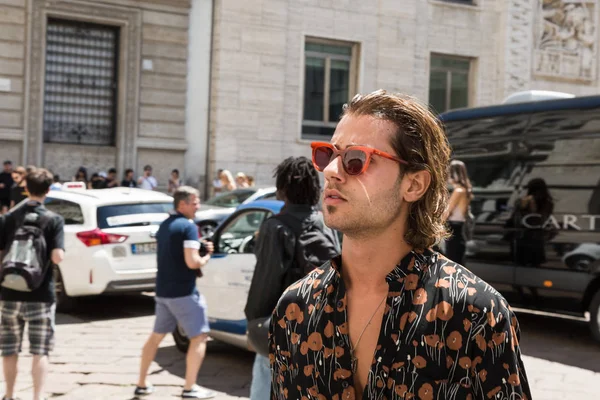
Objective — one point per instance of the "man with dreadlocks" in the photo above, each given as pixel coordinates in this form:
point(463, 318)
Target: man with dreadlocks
point(289, 245)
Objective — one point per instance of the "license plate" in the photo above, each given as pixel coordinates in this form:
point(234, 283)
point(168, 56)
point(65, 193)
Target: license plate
point(143, 248)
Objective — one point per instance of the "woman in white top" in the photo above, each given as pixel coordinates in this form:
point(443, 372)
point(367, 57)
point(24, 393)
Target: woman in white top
point(228, 184)
point(462, 194)
point(241, 180)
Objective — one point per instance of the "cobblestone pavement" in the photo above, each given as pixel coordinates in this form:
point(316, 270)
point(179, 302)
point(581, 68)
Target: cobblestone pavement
point(98, 348)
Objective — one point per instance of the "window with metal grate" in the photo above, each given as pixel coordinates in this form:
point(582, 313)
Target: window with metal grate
point(80, 98)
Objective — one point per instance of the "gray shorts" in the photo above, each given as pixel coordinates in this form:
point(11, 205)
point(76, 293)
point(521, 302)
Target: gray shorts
point(188, 311)
point(40, 320)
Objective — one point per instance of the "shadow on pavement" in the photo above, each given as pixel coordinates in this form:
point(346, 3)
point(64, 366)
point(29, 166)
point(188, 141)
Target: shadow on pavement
point(559, 340)
point(225, 369)
point(106, 307)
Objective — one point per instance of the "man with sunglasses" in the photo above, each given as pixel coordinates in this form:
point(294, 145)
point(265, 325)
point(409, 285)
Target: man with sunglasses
point(391, 318)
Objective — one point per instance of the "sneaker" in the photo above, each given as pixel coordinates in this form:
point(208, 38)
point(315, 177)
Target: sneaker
point(198, 392)
point(143, 391)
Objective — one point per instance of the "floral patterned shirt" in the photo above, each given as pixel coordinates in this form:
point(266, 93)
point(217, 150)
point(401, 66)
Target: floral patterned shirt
point(446, 334)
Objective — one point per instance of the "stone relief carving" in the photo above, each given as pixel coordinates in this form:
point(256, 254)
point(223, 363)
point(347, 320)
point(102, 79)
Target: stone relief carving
point(565, 33)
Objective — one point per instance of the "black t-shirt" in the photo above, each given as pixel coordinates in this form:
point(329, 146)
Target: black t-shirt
point(6, 178)
point(128, 183)
point(98, 184)
point(109, 183)
point(18, 194)
point(55, 239)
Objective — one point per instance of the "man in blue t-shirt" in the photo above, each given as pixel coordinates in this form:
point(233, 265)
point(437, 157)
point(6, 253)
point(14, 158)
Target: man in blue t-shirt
point(177, 298)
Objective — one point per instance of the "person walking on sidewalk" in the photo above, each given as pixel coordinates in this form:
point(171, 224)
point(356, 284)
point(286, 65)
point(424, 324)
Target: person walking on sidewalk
point(37, 306)
point(177, 298)
point(289, 245)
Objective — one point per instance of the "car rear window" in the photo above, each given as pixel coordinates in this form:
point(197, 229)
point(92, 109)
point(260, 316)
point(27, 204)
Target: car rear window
point(119, 215)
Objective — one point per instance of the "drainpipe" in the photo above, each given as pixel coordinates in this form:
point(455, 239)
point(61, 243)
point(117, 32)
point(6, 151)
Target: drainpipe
point(27, 88)
point(209, 172)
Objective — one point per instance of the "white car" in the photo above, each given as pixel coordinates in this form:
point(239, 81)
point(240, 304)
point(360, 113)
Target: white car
point(215, 210)
point(110, 243)
point(582, 257)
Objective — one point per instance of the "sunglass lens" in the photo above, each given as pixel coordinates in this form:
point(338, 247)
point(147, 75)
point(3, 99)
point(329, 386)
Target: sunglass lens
point(354, 161)
point(322, 157)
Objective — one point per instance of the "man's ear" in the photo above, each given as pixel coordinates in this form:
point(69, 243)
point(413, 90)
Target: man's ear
point(415, 185)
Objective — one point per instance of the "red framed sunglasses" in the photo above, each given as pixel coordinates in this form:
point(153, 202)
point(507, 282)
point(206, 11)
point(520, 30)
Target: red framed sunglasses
point(355, 159)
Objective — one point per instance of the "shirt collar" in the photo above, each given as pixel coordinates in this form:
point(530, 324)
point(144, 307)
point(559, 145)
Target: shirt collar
point(415, 262)
point(297, 208)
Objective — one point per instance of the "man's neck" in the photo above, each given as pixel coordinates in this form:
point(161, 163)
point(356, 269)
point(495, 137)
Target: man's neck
point(37, 199)
point(367, 261)
point(181, 213)
point(287, 204)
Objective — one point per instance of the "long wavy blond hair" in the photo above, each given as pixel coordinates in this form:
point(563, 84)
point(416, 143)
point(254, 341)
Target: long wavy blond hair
point(420, 140)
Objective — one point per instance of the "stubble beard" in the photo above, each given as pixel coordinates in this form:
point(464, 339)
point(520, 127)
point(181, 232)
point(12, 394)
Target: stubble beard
point(368, 219)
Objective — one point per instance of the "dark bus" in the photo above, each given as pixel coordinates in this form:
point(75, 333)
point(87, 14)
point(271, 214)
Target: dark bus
point(546, 260)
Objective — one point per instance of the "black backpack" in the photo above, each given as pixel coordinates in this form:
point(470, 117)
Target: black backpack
point(25, 263)
point(312, 248)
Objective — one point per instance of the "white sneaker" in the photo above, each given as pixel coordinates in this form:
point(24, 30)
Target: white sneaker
point(198, 392)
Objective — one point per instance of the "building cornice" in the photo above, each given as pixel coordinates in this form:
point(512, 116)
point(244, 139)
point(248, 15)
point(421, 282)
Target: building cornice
point(179, 6)
point(173, 3)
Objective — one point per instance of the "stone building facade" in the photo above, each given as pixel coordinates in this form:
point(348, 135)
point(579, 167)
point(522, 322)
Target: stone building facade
point(98, 84)
point(200, 85)
point(267, 55)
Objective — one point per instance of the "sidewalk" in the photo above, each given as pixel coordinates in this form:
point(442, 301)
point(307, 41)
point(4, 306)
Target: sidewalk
point(98, 353)
point(100, 360)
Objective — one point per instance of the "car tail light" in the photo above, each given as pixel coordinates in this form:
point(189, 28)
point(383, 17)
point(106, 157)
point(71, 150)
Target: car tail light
point(97, 237)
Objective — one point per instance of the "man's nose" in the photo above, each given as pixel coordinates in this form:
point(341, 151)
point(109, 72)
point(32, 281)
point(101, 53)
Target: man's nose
point(335, 170)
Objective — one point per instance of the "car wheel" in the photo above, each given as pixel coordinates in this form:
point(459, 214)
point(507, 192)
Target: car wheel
point(579, 262)
point(207, 229)
point(595, 316)
point(64, 302)
point(181, 340)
